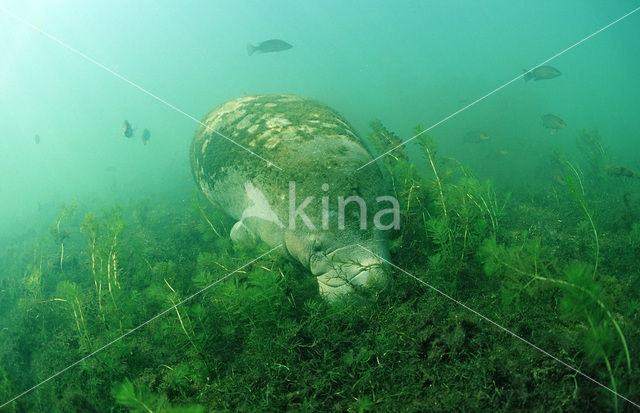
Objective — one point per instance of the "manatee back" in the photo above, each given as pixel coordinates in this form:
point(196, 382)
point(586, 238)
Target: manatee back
point(311, 143)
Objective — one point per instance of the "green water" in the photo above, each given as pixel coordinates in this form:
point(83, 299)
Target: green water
point(264, 340)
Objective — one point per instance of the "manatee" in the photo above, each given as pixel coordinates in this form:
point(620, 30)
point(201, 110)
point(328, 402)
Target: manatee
point(299, 187)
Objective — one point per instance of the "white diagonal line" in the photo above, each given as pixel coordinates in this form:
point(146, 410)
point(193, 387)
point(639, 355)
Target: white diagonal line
point(569, 366)
point(500, 87)
point(124, 79)
point(137, 328)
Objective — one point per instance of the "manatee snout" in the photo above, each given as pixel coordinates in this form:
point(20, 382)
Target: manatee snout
point(351, 270)
point(341, 270)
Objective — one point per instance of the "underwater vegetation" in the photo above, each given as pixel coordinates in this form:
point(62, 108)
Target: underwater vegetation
point(556, 263)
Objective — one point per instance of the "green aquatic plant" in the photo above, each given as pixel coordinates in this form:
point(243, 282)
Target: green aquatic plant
point(575, 187)
point(427, 143)
point(174, 299)
point(103, 235)
point(196, 201)
point(634, 236)
point(138, 399)
point(583, 300)
point(58, 233)
point(68, 292)
point(114, 225)
point(520, 266)
point(411, 190)
point(264, 340)
point(32, 280)
point(383, 140)
point(91, 227)
point(517, 268)
point(463, 211)
point(596, 157)
point(6, 389)
point(445, 211)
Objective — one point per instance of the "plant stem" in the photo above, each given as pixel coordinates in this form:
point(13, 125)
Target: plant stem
point(207, 219)
point(180, 317)
point(435, 172)
point(607, 363)
point(595, 235)
point(61, 255)
point(583, 204)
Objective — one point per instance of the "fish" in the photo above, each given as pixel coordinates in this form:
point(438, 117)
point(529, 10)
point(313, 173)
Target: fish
point(553, 122)
point(268, 46)
point(476, 136)
point(127, 130)
point(541, 73)
point(620, 170)
point(37, 139)
point(146, 135)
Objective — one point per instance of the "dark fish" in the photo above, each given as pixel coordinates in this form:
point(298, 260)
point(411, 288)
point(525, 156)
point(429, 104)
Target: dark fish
point(476, 136)
point(268, 46)
point(127, 130)
point(553, 122)
point(146, 135)
point(619, 171)
point(541, 73)
point(37, 139)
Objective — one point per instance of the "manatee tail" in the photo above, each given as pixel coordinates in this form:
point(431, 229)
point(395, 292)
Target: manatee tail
point(527, 75)
point(250, 49)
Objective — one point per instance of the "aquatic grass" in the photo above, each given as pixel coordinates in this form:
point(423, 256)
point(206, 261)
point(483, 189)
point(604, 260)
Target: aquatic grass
point(596, 157)
point(114, 225)
point(576, 188)
point(269, 342)
point(464, 213)
point(634, 236)
point(175, 298)
point(196, 201)
point(138, 398)
point(68, 292)
point(103, 238)
point(487, 202)
point(602, 353)
point(526, 261)
point(518, 267)
point(427, 143)
point(90, 226)
point(32, 280)
point(411, 190)
point(58, 233)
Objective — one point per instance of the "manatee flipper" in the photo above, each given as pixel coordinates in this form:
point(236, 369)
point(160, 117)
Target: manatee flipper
point(240, 234)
